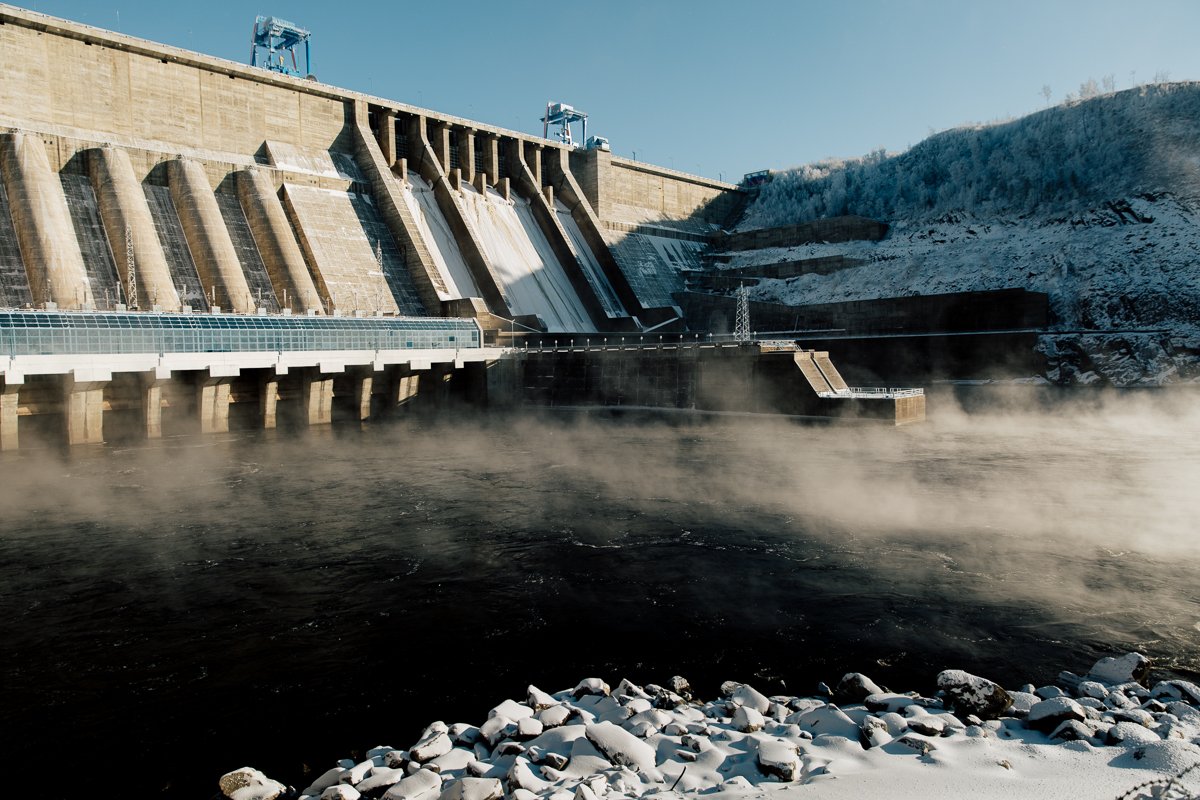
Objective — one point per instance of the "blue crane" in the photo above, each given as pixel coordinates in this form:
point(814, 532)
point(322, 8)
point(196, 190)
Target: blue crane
point(279, 38)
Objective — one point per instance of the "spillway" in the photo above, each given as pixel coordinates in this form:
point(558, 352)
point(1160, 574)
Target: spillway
point(439, 239)
point(340, 232)
point(175, 248)
point(591, 267)
point(14, 283)
point(523, 260)
point(247, 252)
point(93, 243)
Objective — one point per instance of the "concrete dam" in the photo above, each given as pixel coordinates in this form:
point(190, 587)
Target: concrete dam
point(184, 239)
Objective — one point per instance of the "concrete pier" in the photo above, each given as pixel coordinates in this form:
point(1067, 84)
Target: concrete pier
point(123, 206)
point(9, 404)
point(83, 405)
point(53, 260)
point(208, 239)
point(212, 403)
point(316, 398)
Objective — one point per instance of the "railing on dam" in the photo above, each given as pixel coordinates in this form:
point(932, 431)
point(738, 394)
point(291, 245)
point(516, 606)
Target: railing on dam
point(24, 333)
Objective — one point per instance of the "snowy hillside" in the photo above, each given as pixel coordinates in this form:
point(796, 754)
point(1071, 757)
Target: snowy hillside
point(1096, 203)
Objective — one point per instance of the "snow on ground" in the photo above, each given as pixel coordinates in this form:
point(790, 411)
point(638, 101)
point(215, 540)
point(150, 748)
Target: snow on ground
point(1127, 266)
point(1104, 735)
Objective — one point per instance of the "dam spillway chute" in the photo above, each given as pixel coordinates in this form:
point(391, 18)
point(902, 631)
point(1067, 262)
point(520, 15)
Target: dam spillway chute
point(439, 239)
point(533, 280)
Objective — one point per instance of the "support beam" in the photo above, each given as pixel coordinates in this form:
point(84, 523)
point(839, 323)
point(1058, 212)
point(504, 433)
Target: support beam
point(290, 278)
point(491, 158)
point(404, 388)
point(83, 406)
point(10, 396)
point(437, 133)
point(212, 403)
point(45, 234)
point(123, 207)
point(207, 237)
point(268, 401)
point(316, 397)
point(364, 381)
point(386, 134)
point(152, 403)
point(466, 153)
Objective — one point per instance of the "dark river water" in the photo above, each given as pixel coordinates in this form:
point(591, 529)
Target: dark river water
point(174, 610)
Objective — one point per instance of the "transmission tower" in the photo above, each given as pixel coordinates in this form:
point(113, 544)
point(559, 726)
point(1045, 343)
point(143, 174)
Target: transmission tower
point(741, 325)
point(131, 269)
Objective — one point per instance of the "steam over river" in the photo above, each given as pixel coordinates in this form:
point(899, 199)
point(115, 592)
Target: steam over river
point(174, 610)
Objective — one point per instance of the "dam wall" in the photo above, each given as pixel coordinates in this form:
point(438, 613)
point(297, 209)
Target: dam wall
point(92, 115)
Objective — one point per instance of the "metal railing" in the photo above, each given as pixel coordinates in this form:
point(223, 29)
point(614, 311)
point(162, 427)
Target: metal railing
point(870, 392)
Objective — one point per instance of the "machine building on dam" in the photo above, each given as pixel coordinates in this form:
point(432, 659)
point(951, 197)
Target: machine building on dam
point(182, 235)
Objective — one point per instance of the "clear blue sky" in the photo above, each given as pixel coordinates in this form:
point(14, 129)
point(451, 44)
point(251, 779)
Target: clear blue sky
point(715, 88)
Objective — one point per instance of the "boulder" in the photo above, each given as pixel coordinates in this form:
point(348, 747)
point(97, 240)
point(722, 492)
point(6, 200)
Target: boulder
point(528, 728)
point(1130, 733)
point(1049, 714)
point(681, 687)
point(854, 687)
point(379, 778)
point(627, 688)
point(248, 783)
point(538, 700)
point(554, 716)
point(827, 720)
point(1072, 730)
point(748, 696)
point(473, 789)
point(971, 694)
point(873, 732)
point(1121, 669)
point(1186, 691)
point(779, 759)
point(748, 720)
point(421, 784)
point(326, 779)
point(437, 744)
point(342, 791)
point(511, 709)
point(620, 746)
point(664, 698)
point(590, 686)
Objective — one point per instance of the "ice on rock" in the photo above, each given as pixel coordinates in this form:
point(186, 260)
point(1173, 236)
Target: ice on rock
point(1049, 714)
point(429, 748)
point(248, 783)
point(342, 791)
point(1130, 733)
point(1121, 669)
point(584, 792)
point(473, 789)
point(511, 709)
point(828, 720)
point(554, 716)
point(590, 686)
point(328, 778)
point(379, 778)
point(1093, 689)
point(528, 728)
point(779, 759)
point(748, 720)
point(972, 694)
point(854, 687)
point(1048, 692)
point(421, 785)
point(1177, 690)
point(748, 696)
point(621, 747)
point(538, 700)
point(496, 728)
point(873, 732)
point(462, 733)
point(520, 776)
point(627, 688)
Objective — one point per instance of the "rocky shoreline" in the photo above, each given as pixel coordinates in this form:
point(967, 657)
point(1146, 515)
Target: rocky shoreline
point(1109, 732)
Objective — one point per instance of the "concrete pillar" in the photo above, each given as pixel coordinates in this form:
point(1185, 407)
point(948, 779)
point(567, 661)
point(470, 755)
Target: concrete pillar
point(10, 394)
point(207, 237)
point(212, 403)
point(152, 400)
point(45, 234)
point(363, 384)
point(83, 405)
point(276, 242)
point(439, 140)
point(533, 158)
point(268, 401)
point(491, 157)
point(123, 205)
point(387, 135)
point(316, 395)
point(466, 153)
point(404, 388)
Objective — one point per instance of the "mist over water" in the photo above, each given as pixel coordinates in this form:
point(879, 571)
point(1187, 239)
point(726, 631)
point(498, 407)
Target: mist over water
point(203, 603)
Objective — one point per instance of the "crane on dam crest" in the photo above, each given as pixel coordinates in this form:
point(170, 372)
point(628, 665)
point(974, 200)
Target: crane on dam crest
point(273, 40)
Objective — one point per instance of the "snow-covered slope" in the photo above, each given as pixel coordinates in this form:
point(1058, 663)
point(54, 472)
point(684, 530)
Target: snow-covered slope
point(1096, 203)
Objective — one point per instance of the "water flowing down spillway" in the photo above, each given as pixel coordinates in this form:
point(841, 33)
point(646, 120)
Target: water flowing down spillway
point(523, 260)
point(14, 283)
point(587, 259)
point(439, 239)
point(93, 242)
point(175, 248)
point(242, 237)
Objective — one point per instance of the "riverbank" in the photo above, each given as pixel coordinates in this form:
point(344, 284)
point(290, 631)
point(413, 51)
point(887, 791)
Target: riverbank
point(1110, 733)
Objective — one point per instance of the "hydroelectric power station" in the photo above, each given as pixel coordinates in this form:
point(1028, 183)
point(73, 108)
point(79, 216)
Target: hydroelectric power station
point(184, 239)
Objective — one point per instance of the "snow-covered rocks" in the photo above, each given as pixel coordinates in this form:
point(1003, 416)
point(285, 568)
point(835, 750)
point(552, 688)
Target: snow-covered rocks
point(248, 783)
point(621, 744)
point(971, 694)
point(1121, 669)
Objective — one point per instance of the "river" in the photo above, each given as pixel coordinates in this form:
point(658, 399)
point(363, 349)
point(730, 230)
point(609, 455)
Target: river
point(176, 609)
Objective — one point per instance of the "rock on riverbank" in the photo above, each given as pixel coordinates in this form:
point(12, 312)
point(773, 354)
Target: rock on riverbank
point(1092, 735)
